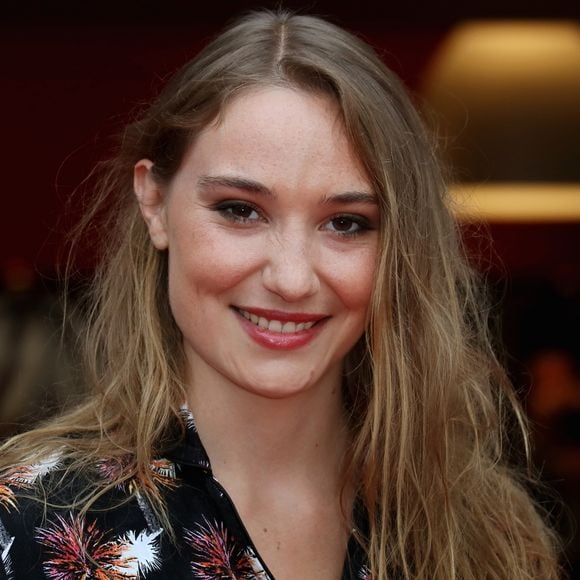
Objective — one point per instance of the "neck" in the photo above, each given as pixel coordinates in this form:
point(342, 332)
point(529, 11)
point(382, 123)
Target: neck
point(255, 438)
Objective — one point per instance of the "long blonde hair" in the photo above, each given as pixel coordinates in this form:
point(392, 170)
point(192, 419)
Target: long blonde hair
point(426, 396)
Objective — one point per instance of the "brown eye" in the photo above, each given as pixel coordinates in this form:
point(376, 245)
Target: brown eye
point(242, 211)
point(238, 211)
point(348, 225)
point(343, 224)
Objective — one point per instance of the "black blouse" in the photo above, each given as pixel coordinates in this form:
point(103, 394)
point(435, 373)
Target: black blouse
point(121, 537)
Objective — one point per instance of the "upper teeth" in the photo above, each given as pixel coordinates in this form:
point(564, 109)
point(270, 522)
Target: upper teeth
point(276, 325)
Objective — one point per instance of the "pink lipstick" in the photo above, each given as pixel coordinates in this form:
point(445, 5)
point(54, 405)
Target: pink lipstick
point(280, 330)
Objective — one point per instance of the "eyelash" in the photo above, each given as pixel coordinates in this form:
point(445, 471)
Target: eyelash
point(225, 209)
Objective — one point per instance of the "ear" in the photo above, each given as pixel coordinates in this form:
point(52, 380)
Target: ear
point(151, 203)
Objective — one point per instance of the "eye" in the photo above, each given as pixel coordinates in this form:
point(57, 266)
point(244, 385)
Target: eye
point(348, 225)
point(238, 211)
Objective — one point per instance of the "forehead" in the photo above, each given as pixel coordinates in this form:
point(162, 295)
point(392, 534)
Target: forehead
point(279, 135)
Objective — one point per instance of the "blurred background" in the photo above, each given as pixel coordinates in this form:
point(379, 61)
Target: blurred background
point(499, 84)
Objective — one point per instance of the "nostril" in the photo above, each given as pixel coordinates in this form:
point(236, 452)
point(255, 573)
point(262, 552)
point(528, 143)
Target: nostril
point(291, 281)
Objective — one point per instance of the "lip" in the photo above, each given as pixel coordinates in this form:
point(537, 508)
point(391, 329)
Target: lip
point(296, 317)
point(277, 340)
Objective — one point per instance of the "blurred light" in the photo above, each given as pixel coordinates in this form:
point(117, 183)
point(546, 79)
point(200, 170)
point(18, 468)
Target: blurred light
point(513, 202)
point(482, 54)
point(506, 96)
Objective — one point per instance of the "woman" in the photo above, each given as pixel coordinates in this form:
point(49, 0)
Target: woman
point(280, 258)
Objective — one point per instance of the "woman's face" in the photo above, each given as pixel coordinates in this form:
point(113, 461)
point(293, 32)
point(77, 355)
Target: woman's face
point(271, 228)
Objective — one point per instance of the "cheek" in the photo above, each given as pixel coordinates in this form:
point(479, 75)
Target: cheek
point(205, 261)
point(353, 277)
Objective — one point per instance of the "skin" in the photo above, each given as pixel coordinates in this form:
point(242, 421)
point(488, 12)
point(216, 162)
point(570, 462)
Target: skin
point(256, 217)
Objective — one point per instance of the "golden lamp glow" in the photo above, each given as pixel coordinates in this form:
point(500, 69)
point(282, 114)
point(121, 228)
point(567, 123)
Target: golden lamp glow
point(485, 55)
point(513, 202)
point(506, 96)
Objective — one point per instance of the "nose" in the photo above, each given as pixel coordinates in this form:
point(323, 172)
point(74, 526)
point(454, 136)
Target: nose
point(290, 271)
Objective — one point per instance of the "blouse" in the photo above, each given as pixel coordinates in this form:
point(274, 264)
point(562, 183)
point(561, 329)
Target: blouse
point(121, 536)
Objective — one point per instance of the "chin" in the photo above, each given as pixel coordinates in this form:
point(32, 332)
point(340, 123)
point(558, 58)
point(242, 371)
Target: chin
point(277, 389)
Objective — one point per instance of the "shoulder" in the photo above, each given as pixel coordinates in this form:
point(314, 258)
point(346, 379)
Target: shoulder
point(22, 511)
point(44, 531)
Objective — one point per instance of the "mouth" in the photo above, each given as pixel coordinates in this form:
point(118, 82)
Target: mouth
point(280, 322)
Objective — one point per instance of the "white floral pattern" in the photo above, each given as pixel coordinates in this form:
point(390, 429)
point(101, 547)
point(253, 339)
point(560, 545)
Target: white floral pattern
point(127, 541)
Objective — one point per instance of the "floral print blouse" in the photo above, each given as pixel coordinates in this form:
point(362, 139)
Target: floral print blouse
point(121, 536)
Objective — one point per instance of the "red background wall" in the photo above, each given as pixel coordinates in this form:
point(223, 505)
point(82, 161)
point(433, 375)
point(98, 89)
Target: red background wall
point(70, 76)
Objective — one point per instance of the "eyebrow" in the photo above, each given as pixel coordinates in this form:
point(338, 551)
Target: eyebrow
point(233, 182)
point(351, 197)
point(251, 186)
